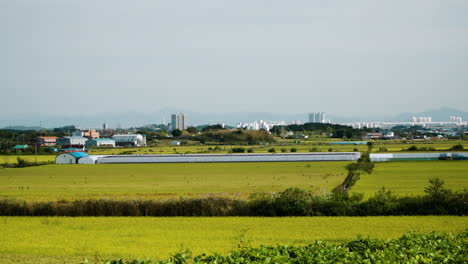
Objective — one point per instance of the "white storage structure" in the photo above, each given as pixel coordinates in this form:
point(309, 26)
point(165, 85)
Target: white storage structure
point(70, 158)
point(212, 158)
point(89, 160)
point(418, 156)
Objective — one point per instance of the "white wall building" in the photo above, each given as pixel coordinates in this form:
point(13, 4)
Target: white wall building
point(136, 140)
point(100, 142)
point(76, 142)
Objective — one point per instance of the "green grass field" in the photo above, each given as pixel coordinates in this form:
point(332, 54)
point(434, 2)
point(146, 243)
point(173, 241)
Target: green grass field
point(156, 181)
point(57, 239)
point(410, 177)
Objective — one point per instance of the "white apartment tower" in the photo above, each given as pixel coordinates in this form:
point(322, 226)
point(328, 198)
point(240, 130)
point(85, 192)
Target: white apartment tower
point(178, 121)
point(317, 117)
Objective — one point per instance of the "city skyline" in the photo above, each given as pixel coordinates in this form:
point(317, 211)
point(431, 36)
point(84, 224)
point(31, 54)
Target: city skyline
point(245, 120)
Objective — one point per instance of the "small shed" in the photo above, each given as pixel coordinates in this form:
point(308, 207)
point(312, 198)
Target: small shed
point(70, 158)
point(174, 143)
point(20, 147)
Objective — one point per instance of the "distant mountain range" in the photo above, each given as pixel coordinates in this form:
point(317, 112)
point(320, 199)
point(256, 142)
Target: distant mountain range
point(132, 119)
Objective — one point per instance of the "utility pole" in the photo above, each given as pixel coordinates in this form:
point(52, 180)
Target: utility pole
point(35, 152)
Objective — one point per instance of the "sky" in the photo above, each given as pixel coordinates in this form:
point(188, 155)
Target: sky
point(341, 57)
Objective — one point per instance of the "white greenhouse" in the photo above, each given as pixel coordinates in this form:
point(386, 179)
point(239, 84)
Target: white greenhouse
point(70, 158)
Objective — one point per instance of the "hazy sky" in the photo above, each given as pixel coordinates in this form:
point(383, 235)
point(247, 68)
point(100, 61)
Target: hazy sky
point(343, 57)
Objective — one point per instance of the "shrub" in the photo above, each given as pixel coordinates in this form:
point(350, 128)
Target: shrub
point(283, 150)
point(238, 150)
point(293, 149)
point(272, 150)
point(412, 148)
point(458, 147)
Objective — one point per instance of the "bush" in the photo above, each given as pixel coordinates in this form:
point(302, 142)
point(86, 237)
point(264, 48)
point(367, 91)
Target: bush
point(283, 150)
point(272, 150)
point(250, 150)
point(412, 148)
point(293, 149)
point(314, 149)
point(458, 147)
point(238, 150)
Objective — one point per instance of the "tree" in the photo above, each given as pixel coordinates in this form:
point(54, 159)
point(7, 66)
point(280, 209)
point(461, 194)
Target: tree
point(192, 130)
point(436, 189)
point(176, 132)
point(370, 145)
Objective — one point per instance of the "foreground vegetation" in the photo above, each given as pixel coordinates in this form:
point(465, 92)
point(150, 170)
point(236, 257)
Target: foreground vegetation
point(411, 248)
point(59, 239)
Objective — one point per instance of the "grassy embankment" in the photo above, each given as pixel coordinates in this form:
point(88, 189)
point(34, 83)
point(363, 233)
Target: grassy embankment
point(62, 239)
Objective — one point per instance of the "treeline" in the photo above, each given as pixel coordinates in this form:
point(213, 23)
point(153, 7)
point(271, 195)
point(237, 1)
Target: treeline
point(291, 202)
point(237, 136)
point(410, 248)
point(11, 137)
point(332, 130)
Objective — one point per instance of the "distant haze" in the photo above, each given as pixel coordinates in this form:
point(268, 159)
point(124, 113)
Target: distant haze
point(346, 58)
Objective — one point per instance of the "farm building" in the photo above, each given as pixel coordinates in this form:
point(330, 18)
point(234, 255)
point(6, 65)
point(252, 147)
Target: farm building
point(92, 159)
point(70, 158)
point(133, 140)
point(349, 143)
point(100, 142)
point(418, 156)
point(20, 147)
point(210, 158)
point(71, 142)
point(46, 141)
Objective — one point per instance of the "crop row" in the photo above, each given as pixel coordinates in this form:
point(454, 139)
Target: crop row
point(410, 248)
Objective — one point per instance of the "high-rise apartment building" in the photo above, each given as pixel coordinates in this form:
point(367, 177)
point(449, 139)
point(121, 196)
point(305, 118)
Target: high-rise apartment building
point(317, 117)
point(178, 121)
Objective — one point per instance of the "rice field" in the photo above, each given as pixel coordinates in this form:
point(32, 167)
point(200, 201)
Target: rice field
point(161, 181)
point(410, 177)
point(68, 240)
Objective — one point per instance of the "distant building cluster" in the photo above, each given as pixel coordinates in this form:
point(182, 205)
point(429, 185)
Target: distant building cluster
point(421, 119)
point(457, 119)
point(90, 138)
point(424, 121)
point(261, 124)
